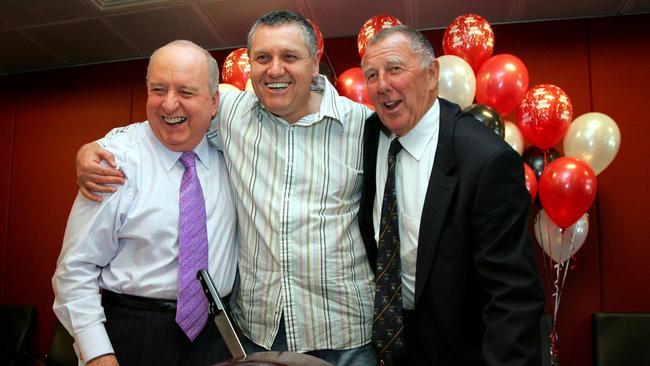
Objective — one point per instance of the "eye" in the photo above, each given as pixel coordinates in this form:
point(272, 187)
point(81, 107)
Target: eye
point(263, 59)
point(394, 69)
point(186, 94)
point(158, 90)
point(370, 75)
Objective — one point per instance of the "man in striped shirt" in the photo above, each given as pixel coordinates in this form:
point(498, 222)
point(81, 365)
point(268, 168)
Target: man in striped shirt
point(295, 161)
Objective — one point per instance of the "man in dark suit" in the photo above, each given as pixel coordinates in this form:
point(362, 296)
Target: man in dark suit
point(454, 214)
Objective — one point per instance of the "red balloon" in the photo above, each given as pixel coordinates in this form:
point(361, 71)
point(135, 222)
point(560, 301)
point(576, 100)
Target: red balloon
point(567, 189)
point(501, 83)
point(373, 26)
point(531, 181)
point(352, 84)
point(471, 38)
point(236, 69)
point(319, 37)
point(544, 115)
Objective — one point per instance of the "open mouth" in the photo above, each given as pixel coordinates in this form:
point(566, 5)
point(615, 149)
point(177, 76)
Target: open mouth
point(277, 85)
point(174, 120)
point(392, 105)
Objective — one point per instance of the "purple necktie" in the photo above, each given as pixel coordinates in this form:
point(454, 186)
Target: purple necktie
point(192, 306)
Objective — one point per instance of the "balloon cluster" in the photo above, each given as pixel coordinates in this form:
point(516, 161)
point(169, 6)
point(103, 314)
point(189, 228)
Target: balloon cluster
point(566, 185)
point(498, 85)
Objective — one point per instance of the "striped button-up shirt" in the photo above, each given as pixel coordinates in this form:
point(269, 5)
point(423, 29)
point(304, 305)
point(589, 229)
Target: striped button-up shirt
point(298, 188)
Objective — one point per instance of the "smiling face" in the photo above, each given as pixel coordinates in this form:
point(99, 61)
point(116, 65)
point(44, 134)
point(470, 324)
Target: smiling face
point(282, 70)
point(179, 102)
point(401, 90)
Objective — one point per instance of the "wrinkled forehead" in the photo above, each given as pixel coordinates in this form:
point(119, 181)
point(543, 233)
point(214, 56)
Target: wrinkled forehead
point(179, 62)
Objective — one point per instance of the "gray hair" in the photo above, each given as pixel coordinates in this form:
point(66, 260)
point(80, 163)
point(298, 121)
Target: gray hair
point(213, 66)
point(282, 17)
point(420, 45)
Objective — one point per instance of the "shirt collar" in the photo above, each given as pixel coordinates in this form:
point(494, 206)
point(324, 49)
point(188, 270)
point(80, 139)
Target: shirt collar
point(328, 105)
point(423, 133)
point(169, 158)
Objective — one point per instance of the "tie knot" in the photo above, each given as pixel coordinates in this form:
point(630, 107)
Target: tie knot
point(395, 147)
point(188, 159)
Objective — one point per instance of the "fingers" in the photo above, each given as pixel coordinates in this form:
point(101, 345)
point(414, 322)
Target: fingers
point(88, 194)
point(108, 156)
point(98, 187)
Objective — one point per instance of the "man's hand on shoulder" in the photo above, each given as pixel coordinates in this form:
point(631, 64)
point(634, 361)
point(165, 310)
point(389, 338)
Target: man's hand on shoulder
point(104, 360)
point(92, 177)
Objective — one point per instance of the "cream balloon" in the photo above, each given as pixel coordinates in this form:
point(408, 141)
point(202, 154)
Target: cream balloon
point(593, 138)
point(249, 86)
point(549, 236)
point(456, 80)
point(227, 87)
point(514, 137)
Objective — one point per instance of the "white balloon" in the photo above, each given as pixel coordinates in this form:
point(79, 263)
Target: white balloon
point(549, 236)
point(227, 87)
point(593, 138)
point(249, 86)
point(514, 137)
point(456, 80)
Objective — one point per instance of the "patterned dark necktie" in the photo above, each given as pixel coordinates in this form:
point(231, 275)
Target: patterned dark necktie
point(388, 324)
point(192, 306)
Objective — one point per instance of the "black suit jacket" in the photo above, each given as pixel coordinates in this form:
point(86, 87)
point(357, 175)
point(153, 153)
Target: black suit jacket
point(478, 298)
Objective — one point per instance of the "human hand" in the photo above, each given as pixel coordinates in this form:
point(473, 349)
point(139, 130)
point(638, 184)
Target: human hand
point(104, 360)
point(94, 177)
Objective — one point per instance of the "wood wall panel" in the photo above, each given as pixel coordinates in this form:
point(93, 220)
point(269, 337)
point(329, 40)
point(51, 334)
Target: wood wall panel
point(56, 112)
point(620, 82)
point(557, 53)
point(7, 117)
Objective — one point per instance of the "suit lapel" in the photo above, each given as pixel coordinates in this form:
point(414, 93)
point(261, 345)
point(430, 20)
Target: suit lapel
point(439, 194)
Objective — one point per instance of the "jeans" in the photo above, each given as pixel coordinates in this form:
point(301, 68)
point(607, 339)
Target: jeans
point(361, 356)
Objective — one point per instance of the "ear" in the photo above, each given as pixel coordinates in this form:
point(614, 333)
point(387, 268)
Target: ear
point(215, 103)
point(317, 57)
point(433, 72)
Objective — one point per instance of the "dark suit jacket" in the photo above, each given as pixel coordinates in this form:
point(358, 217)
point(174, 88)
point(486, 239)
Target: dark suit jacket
point(478, 298)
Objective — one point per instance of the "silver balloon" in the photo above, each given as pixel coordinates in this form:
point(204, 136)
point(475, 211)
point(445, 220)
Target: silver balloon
point(456, 81)
point(549, 236)
point(514, 137)
point(593, 138)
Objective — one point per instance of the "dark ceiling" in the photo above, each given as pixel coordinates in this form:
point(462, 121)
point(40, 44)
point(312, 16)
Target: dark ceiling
point(45, 34)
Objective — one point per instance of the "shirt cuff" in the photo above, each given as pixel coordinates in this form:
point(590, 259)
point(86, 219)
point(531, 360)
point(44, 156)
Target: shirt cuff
point(93, 342)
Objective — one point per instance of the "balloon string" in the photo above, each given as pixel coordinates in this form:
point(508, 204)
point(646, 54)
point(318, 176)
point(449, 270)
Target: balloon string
point(546, 157)
point(547, 271)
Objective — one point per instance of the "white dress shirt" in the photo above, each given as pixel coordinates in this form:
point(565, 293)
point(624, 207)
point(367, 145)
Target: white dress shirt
point(298, 190)
point(412, 173)
point(128, 243)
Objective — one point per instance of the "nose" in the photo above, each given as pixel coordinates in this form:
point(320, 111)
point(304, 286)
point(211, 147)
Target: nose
point(170, 102)
point(276, 68)
point(383, 84)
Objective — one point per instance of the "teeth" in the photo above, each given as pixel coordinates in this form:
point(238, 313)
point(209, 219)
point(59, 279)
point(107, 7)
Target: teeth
point(277, 85)
point(174, 120)
point(391, 104)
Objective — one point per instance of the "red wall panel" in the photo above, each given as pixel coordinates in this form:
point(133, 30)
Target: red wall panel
point(557, 53)
point(55, 113)
point(620, 79)
point(7, 116)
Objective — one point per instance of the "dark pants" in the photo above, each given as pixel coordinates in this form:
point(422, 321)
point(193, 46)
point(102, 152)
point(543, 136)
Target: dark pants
point(152, 337)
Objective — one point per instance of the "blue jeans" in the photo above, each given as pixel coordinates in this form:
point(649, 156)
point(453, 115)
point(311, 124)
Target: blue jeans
point(361, 356)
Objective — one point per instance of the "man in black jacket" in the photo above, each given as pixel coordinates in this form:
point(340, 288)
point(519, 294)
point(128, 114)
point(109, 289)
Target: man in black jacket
point(452, 223)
